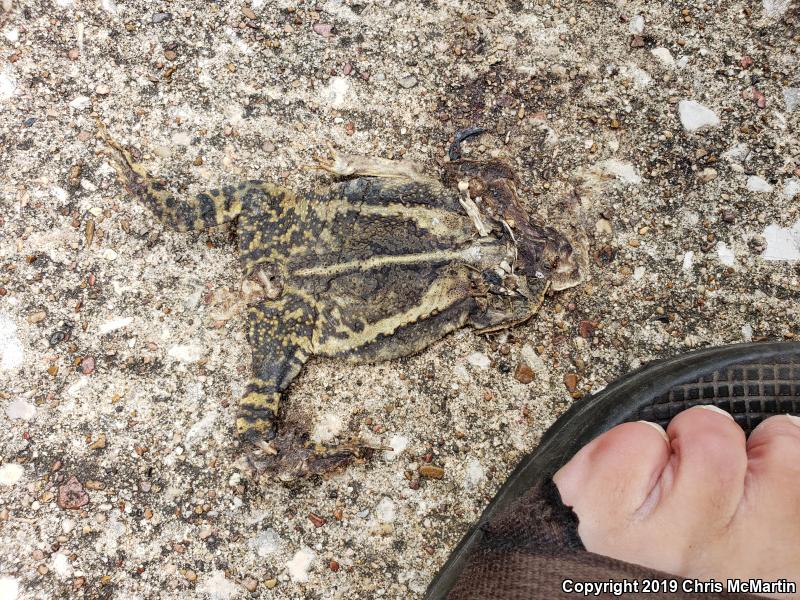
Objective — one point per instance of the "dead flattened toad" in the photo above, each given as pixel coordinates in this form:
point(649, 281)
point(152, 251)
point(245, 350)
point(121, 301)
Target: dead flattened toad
point(377, 266)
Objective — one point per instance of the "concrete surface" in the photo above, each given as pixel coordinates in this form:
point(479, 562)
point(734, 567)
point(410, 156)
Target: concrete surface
point(665, 133)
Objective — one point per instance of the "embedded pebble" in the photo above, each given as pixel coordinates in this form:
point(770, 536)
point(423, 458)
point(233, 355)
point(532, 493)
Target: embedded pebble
point(479, 359)
point(397, 444)
point(218, 587)
point(265, 543)
point(407, 82)
point(758, 184)
point(431, 471)
point(72, 495)
point(664, 55)
point(160, 17)
point(725, 254)
point(791, 188)
point(791, 98)
point(783, 243)
point(19, 409)
point(695, 116)
point(300, 565)
point(707, 174)
point(10, 473)
point(80, 102)
point(186, 353)
point(474, 473)
point(385, 511)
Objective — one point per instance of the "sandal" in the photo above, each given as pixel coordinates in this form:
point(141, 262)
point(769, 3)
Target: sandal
point(749, 381)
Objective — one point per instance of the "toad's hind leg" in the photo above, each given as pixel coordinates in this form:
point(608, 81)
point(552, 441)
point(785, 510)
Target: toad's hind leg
point(281, 335)
point(204, 210)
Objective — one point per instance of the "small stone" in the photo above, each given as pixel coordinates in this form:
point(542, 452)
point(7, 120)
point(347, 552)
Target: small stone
point(71, 494)
point(99, 443)
point(664, 55)
point(102, 90)
point(161, 17)
point(205, 533)
point(316, 520)
point(270, 583)
point(323, 29)
point(758, 184)
point(707, 174)
point(407, 82)
point(791, 98)
point(586, 328)
point(189, 574)
point(248, 12)
point(431, 471)
point(334, 566)
point(250, 584)
point(571, 382)
point(42, 570)
point(52, 371)
point(523, 373)
point(73, 54)
point(37, 317)
point(19, 409)
point(87, 365)
point(170, 54)
point(696, 116)
point(11, 473)
point(37, 555)
point(729, 215)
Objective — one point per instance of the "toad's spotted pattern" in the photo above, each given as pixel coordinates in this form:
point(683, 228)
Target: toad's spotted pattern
point(374, 267)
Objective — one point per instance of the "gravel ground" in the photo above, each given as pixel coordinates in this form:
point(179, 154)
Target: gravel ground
point(666, 134)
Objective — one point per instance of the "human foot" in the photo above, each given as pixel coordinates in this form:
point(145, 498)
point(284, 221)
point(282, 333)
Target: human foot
point(699, 500)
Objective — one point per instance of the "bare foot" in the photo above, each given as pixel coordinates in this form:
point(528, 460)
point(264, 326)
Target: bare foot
point(698, 500)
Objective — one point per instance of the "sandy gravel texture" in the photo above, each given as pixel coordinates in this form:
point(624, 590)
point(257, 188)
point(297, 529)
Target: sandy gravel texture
point(664, 133)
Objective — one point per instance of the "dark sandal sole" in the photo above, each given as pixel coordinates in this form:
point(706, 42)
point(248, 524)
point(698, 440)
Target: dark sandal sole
point(749, 381)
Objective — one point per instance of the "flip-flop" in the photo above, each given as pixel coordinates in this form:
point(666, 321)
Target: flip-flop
point(749, 381)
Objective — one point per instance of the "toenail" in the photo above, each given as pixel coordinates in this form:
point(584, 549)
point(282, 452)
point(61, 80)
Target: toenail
point(716, 409)
point(795, 420)
point(663, 433)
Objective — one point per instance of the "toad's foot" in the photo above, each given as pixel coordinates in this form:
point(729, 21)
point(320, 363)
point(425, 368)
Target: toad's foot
point(347, 165)
point(291, 455)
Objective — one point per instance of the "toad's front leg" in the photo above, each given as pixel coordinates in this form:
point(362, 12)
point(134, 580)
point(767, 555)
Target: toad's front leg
point(281, 334)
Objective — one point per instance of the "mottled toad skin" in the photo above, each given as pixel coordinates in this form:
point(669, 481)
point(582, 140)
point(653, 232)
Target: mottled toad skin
point(374, 267)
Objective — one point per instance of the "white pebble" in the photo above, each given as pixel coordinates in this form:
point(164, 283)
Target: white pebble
point(218, 587)
point(80, 102)
point(181, 138)
point(725, 254)
point(113, 324)
point(623, 170)
point(265, 543)
point(479, 359)
point(636, 26)
point(187, 353)
point(776, 8)
point(638, 273)
point(19, 409)
point(791, 188)
point(300, 565)
point(109, 254)
point(758, 184)
point(688, 260)
point(385, 511)
point(327, 428)
point(9, 588)
point(11, 353)
point(10, 473)
point(695, 116)
point(11, 34)
point(474, 473)
point(791, 97)
point(61, 565)
point(8, 84)
point(747, 332)
point(67, 525)
point(783, 243)
point(397, 444)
